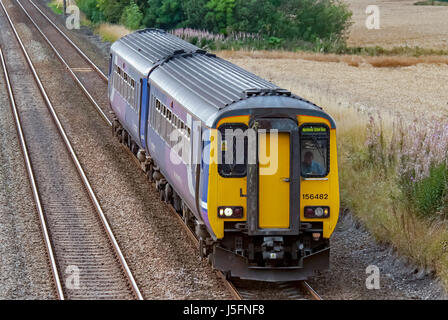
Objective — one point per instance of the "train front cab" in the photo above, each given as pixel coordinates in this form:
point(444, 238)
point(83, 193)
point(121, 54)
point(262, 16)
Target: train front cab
point(281, 219)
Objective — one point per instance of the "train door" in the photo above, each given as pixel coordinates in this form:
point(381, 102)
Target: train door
point(273, 178)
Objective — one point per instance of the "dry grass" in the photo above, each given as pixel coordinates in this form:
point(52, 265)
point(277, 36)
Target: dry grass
point(351, 60)
point(111, 32)
point(370, 197)
point(374, 198)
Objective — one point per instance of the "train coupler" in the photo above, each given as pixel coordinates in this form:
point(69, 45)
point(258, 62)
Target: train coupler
point(272, 248)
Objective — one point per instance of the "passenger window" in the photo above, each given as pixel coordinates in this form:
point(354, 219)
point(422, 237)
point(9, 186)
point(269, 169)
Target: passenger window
point(232, 154)
point(314, 146)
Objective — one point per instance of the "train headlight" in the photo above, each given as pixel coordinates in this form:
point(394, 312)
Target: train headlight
point(316, 212)
point(319, 212)
point(230, 212)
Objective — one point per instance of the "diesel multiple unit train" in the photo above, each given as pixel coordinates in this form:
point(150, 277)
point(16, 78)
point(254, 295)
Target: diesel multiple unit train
point(250, 167)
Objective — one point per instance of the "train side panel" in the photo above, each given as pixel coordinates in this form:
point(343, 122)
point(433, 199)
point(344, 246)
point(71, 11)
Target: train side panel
point(125, 94)
point(173, 165)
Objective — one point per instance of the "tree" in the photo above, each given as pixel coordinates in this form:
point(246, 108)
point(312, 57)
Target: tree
point(165, 14)
point(132, 16)
point(256, 16)
point(315, 19)
point(194, 13)
point(112, 9)
point(91, 10)
point(220, 15)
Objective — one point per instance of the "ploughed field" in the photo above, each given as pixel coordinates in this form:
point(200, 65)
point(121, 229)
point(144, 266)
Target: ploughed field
point(402, 24)
point(411, 91)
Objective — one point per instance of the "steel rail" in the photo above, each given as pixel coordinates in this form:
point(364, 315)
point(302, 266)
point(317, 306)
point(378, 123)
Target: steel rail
point(103, 76)
point(229, 285)
point(310, 290)
point(34, 188)
point(78, 166)
point(69, 69)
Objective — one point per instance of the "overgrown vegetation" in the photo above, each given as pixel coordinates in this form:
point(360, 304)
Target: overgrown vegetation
point(55, 7)
point(393, 177)
point(416, 154)
point(111, 32)
point(290, 24)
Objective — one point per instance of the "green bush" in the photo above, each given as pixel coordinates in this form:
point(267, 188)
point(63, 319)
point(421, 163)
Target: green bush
point(429, 194)
point(164, 14)
point(132, 16)
point(90, 9)
point(315, 19)
point(112, 9)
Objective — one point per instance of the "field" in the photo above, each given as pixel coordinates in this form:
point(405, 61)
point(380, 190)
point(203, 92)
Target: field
point(402, 24)
point(421, 88)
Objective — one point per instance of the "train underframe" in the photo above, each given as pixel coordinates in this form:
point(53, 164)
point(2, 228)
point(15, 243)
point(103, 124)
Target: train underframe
point(264, 258)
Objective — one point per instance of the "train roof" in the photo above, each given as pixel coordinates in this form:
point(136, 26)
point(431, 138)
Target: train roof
point(202, 82)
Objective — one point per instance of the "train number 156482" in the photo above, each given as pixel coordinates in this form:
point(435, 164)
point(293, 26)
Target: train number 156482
point(317, 196)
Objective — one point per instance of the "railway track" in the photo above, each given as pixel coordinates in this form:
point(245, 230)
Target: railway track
point(84, 256)
point(294, 290)
point(93, 82)
point(90, 79)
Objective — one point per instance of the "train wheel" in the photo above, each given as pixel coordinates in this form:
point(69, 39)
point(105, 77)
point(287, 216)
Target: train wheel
point(210, 260)
point(150, 173)
point(177, 202)
point(124, 137)
point(168, 193)
point(162, 195)
point(202, 248)
point(185, 213)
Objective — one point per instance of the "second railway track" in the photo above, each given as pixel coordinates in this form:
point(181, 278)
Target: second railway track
point(91, 80)
point(79, 241)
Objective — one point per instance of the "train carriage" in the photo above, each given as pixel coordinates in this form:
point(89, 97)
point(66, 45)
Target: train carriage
point(267, 211)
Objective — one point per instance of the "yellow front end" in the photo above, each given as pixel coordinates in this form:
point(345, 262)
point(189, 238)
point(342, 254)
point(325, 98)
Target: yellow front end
point(224, 191)
point(273, 189)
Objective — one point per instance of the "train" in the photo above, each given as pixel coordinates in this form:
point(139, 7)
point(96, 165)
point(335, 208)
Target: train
point(250, 167)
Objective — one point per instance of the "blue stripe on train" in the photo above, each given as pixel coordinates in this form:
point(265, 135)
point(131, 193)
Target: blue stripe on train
point(144, 111)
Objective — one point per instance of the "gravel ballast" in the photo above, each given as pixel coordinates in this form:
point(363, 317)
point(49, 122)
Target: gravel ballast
point(24, 272)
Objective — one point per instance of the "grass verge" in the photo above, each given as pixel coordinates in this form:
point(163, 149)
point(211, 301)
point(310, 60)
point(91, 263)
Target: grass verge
point(375, 196)
point(111, 32)
point(56, 7)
